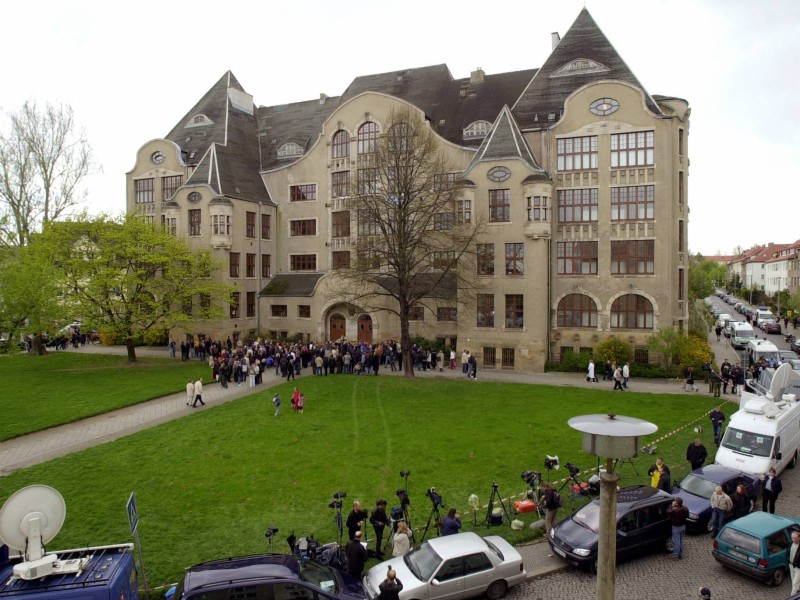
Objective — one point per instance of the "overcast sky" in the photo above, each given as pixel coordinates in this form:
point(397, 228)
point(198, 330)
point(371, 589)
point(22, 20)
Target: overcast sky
point(132, 70)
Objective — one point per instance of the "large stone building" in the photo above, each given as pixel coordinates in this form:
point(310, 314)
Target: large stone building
point(579, 174)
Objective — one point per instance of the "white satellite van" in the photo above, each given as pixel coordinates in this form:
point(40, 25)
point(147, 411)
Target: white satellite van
point(741, 335)
point(765, 431)
point(757, 349)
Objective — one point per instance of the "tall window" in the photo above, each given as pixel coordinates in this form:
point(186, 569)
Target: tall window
point(537, 208)
point(485, 259)
point(499, 206)
point(171, 225)
point(576, 154)
point(367, 180)
point(340, 259)
point(340, 223)
point(235, 300)
point(489, 357)
point(368, 138)
point(576, 258)
point(633, 203)
point(251, 304)
point(298, 227)
point(632, 149)
point(508, 358)
point(633, 257)
point(299, 193)
point(250, 265)
point(194, 221)
point(464, 211)
point(577, 206)
point(233, 261)
point(514, 311)
point(303, 262)
point(170, 185)
point(250, 224)
point(680, 236)
point(515, 259)
point(266, 226)
point(444, 181)
point(681, 279)
point(576, 310)
point(340, 147)
point(443, 221)
point(266, 265)
point(367, 225)
point(632, 312)
point(681, 190)
point(221, 224)
point(340, 184)
point(485, 310)
point(144, 190)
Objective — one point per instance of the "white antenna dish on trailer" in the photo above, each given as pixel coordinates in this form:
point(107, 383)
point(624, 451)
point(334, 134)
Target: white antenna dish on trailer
point(29, 519)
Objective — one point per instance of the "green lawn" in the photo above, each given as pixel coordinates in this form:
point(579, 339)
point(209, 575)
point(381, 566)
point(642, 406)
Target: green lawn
point(208, 485)
point(61, 387)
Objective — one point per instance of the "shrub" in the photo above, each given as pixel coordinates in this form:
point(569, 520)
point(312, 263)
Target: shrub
point(613, 349)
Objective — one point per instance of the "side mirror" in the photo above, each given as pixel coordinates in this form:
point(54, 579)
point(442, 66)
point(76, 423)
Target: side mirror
point(622, 534)
point(435, 582)
point(778, 456)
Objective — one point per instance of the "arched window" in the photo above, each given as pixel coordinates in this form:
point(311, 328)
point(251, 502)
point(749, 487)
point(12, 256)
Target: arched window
point(577, 310)
point(290, 149)
point(341, 144)
point(477, 129)
point(632, 312)
point(368, 138)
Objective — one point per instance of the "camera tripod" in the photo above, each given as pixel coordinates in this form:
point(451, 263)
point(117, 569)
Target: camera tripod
point(338, 519)
point(434, 518)
point(496, 497)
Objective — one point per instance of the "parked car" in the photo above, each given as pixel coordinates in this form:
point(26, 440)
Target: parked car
point(729, 327)
point(453, 566)
point(696, 489)
point(795, 364)
point(757, 545)
point(770, 326)
point(267, 576)
point(787, 355)
point(794, 345)
point(642, 526)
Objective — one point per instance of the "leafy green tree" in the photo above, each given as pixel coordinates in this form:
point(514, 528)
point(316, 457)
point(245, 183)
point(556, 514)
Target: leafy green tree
point(665, 343)
point(126, 277)
point(703, 275)
point(613, 349)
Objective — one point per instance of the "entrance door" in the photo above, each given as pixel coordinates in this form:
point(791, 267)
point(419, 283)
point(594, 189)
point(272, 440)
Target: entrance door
point(365, 329)
point(337, 327)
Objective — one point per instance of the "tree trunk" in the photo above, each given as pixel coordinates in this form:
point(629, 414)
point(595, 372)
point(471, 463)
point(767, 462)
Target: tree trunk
point(405, 343)
point(131, 350)
point(37, 346)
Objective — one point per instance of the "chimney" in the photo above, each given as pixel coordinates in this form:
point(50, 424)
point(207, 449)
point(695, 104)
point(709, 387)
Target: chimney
point(554, 39)
point(322, 98)
point(477, 76)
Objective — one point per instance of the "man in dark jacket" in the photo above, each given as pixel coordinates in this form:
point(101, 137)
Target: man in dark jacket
point(770, 491)
point(696, 454)
point(678, 514)
point(356, 555)
point(717, 418)
point(391, 586)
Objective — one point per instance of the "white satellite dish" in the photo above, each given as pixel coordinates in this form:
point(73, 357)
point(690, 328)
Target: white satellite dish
point(29, 519)
point(771, 410)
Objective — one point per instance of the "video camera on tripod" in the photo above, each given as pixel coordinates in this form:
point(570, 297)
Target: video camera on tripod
point(436, 498)
point(402, 495)
point(337, 500)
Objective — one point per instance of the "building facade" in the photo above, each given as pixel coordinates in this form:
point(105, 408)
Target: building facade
point(578, 173)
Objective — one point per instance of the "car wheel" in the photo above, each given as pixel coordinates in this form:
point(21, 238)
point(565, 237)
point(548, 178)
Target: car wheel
point(793, 463)
point(709, 526)
point(593, 568)
point(496, 590)
point(777, 578)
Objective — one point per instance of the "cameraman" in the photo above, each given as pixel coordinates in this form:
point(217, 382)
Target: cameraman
point(551, 505)
point(451, 523)
point(355, 520)
point(379, 521)
point(391, 586)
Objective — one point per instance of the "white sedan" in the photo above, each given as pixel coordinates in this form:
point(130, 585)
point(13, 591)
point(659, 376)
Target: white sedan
point(463, 565)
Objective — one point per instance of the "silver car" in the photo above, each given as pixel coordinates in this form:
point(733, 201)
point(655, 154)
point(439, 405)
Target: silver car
point(463, 565)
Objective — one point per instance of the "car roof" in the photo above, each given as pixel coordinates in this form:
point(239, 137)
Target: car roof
point(241, 568)
point(453, 545)
point(761, 523)
point(718, 473)
point(636, 494)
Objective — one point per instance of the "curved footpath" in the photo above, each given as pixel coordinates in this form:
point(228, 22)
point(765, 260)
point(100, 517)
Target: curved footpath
point(40, 447)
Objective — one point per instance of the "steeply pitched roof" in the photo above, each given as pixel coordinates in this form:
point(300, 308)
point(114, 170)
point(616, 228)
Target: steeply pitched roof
point(504, 142)
point(583, 56)
point(292, 285)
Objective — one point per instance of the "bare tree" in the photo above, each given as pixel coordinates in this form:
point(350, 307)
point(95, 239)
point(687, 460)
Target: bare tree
point(42, 162)
point(414, 232)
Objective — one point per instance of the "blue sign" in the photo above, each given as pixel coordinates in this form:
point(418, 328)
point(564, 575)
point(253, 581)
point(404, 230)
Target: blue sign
point(133, 513)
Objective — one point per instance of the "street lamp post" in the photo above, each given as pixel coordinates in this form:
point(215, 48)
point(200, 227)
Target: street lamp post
point(613, 437)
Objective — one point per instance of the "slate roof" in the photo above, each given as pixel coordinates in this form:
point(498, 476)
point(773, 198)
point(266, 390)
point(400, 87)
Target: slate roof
point(292, 285)
point(224, 150)
point(546, 93)
point(505, 142)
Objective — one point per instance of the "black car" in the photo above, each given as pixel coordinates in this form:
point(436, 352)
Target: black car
point(267, 576)
point(642, 526)
point(696, 489)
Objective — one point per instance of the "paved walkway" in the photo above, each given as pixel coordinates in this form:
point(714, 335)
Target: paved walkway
point(43, 446)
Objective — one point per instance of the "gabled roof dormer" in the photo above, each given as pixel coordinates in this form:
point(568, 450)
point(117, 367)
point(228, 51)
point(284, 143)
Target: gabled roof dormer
point(505, 142)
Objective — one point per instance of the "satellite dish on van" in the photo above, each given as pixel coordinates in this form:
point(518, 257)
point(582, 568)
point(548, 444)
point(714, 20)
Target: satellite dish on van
point(29, 519)
point(771, 410)
point(780, 380)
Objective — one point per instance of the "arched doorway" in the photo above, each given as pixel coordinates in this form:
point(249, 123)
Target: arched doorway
point(337, 327)
point(365, 329)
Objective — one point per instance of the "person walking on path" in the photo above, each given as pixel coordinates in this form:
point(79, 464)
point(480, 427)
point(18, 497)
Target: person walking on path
point(794, 562)
point(626, 374)
point(198, 392)
point(770, 491)
point(590, 375)
point(678, 514)
point(696, 454)
point(618, 379)
point(721, 503)
point(277, 402)
point(189, 393)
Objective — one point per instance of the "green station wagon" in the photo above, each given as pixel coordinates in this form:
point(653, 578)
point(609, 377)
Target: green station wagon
point(757, 545)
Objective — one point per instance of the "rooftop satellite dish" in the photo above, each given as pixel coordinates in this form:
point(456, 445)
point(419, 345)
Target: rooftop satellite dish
point(771, 410)
point(29, 519)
